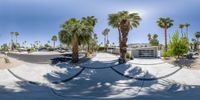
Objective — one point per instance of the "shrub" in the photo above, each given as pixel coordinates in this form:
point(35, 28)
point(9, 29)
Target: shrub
point(178, 46)
point(7, 60)
point(128, 55)
point(4, 47)
point(131, 58)
point(101, 48)
point(165, 54)
point(30, 50)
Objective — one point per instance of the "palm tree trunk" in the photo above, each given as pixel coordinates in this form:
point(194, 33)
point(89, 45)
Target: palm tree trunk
point(53, 44)
point(124, 29)
point(119, 41)
point(16, 39)
point(75, 50)
point(182, 32)
point(11, 42)
point(105, 43)
point(165, 38)
point(198, 44)
point(187, 32)
point(88, 47)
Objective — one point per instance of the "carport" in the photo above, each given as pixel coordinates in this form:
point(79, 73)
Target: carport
point(147, 52)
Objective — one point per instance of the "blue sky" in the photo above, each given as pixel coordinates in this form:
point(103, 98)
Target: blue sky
point(38, 20)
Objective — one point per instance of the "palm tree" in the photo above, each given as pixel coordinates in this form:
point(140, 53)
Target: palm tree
point(197, 35)
point(48, 42)
point(76, 32)
point(16, 35)
point(114, 21)
point(155, 36)
point(54, 39)
point(165, 23)
point(11, 34)
point(89, 21)
point(149, 36)
point(187, 25)
point(105, 34)
point(95, 36)
point(181, 26)
point(94, 42)
point(124, 22)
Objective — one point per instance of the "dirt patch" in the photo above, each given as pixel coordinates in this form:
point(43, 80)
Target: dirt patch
point(184, 62)
point(11, 62)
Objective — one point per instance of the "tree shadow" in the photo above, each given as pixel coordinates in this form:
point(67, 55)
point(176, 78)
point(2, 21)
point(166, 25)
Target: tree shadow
point(70, 70)
point(96, 83)
point(184, 62)
point(65, 71)
point(174, 91)
point(25, 91)
point(103, 84)
point(100, 83)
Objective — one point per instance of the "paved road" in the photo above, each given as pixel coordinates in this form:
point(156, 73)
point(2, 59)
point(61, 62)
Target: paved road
point(40, 59)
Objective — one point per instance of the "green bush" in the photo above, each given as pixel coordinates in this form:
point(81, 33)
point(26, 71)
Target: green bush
point(128, 55)
point(4, 47)
point(30, 50)
point(178, 46)
point(7, 60)
point(101, 48)
point(131, 58)
point(165, 54)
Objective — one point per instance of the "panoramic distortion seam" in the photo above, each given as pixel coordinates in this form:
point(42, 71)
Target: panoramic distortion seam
point(100, 67)
point(145, 79)
point(91, 97)
point(37, 83)
point(148, 64)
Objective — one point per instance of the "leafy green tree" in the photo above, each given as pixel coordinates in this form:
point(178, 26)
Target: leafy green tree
point(54, 39)
point(76, 32)
point(125, 22)
point(165, 23)
point(178, 46)
point(153, 41)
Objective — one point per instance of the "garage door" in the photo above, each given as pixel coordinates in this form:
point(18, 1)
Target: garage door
point(146, 53)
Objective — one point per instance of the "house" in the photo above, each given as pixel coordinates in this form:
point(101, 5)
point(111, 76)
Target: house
point(147, 52)
point(139, 50)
